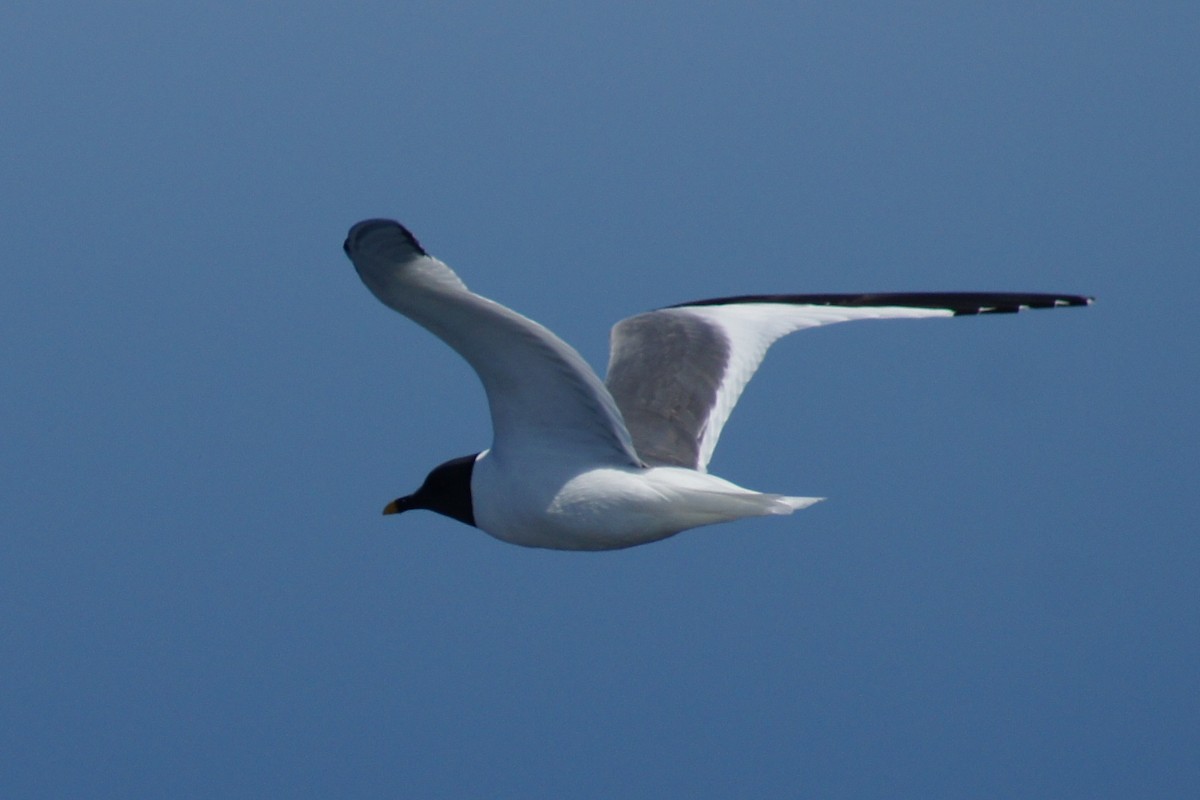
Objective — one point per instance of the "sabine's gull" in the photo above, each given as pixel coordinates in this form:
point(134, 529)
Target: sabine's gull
point(581, 464)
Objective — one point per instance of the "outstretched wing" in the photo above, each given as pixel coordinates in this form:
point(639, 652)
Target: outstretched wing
point(544, 398)
point(677, 373)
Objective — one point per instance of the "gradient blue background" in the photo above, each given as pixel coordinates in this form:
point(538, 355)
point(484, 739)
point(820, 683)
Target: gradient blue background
point(204, 410)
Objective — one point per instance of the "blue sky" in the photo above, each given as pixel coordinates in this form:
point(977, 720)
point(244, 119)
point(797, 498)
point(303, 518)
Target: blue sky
point(205, 410)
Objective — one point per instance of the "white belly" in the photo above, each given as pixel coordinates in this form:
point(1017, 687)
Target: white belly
point(606, 508)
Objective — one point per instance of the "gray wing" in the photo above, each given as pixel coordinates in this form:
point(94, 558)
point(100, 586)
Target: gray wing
point(543, 396)
point(665, 371)
point(677, 373)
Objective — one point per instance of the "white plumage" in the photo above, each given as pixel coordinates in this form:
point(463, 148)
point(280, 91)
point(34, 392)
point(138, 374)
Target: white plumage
point(580, 464)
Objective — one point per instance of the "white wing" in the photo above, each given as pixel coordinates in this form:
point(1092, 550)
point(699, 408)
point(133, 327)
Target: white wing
point(677, 373)
point(541, 393)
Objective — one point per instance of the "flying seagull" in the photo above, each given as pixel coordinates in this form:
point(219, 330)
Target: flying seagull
point(581, 464)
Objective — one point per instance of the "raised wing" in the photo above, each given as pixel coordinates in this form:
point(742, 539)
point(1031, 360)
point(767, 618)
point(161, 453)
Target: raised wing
point(677, 373)
point(541, 393)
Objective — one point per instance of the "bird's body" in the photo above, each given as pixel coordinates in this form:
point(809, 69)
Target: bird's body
point(580, 464)
point(607, 507)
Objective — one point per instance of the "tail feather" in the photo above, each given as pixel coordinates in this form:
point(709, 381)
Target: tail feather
point(786, 505)
point(735, 505)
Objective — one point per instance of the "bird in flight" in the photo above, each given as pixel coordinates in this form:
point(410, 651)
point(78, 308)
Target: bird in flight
point(577, 463)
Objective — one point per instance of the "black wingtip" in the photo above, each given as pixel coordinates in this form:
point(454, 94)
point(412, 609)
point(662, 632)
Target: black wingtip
point(368, 226)
point(960, 303)
point(1011, 303)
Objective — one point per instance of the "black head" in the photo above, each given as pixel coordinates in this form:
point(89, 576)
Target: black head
point(447, 490)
